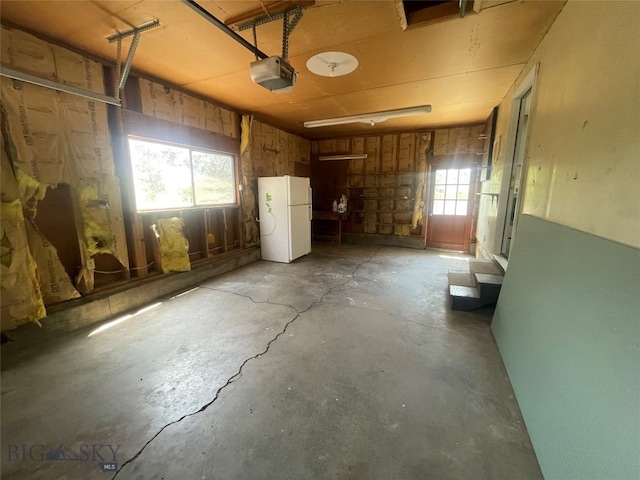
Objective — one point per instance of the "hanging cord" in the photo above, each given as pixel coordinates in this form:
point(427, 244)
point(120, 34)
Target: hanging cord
point(120, 271)
point(275, 223)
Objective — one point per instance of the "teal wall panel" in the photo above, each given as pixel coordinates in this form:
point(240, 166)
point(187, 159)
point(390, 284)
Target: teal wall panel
point(568, 327)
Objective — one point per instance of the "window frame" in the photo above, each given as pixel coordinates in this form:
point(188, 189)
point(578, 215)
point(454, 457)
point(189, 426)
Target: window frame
point(190, 149)
point(135, 124)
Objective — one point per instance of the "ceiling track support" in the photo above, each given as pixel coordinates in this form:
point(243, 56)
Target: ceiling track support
point(123, 73)
point(127, 65)
point(288, 24)
point(270, 18)
point(287, 28)
point(62, 87)
point(218, 23)
point(132, 31)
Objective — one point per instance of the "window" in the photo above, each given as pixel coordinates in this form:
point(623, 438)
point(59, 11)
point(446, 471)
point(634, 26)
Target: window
point(167, 176)
point(451, 191)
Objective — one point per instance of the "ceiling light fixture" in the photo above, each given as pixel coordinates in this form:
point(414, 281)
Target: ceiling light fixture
point(356, 156)
point(332, 64)
point(371, 118)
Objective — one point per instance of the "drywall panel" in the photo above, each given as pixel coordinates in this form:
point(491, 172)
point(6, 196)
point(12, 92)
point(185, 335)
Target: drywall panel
point(582, 167)
point(567, 327)
point(582, 161)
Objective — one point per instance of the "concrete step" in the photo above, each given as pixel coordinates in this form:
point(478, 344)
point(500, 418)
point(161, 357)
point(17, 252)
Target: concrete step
point(502, 262)
point(464, 298)
point(485, 266)
point(478, 287)
point(464, 279)
point(489, 286)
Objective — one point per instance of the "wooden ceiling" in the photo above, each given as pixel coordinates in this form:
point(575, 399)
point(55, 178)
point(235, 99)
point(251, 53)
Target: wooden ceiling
point(461, 66)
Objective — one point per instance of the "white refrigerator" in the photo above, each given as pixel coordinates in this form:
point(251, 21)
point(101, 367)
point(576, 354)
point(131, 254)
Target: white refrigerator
point(284, 205)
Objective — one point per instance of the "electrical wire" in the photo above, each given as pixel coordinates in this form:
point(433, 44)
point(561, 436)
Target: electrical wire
point(275, 223)
point(103, 272)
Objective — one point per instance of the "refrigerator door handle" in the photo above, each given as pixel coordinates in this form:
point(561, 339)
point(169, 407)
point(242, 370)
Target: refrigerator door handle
point(310, 213)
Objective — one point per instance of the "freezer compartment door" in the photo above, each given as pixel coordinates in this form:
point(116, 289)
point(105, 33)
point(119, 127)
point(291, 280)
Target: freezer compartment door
point(300, 231)
point(299, 188)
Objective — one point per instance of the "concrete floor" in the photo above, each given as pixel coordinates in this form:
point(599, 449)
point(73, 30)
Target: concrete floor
point(346, 364)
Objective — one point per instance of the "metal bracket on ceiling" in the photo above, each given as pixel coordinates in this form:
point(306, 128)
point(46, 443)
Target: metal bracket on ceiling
point(123, 73)
point(288, 24)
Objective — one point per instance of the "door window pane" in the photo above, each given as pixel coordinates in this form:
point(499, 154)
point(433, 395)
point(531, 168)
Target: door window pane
point(449, 207)
point(451, 192)
point(461, 207)
point(465, 176)
point(439, 193)
point(452, 176)
point(438, 207)
point(463, 192)
point(441, 177)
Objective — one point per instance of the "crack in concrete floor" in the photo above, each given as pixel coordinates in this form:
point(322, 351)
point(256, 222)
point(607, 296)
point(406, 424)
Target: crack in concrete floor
point(238, 374)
